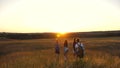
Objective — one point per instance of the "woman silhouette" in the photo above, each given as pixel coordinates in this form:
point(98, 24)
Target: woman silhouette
point(65, 49)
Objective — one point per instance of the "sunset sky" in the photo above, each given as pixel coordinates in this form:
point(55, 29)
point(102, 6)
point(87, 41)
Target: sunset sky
point(59, 15)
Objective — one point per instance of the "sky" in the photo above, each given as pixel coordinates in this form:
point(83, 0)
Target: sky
point(26, 16)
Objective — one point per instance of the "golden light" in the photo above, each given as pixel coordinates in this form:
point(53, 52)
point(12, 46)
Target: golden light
point(61, 34)
point(58, 35)
point(61, 30)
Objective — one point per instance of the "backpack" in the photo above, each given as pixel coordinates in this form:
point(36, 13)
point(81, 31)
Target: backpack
point(80, 51)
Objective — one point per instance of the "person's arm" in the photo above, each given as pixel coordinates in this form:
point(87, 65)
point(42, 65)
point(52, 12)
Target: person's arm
point(82, 45)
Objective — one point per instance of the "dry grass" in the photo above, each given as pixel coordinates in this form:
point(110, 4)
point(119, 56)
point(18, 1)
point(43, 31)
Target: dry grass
point(100, 53)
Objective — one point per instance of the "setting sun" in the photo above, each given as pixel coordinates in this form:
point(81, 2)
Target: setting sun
point(58, 35)
point(61, 34)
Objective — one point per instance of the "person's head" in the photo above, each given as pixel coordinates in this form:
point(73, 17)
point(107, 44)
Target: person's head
point(65, 41)
point(74, 39)
point(78, 40)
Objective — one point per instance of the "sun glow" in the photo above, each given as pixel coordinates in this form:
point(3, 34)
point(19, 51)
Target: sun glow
point(58, 35)
point(61, 34)
point(63, 29)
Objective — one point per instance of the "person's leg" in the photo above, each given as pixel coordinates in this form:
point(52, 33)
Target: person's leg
point(66, 55)
point(65, 58)
point(74, 53)
point(57, 57)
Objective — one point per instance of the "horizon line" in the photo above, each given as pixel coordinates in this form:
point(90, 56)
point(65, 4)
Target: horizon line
point(65, 32)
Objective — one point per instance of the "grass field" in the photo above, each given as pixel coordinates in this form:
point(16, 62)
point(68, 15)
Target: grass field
point(39, 53)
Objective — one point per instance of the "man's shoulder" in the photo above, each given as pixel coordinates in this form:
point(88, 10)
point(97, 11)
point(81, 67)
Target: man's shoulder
point(78, 43)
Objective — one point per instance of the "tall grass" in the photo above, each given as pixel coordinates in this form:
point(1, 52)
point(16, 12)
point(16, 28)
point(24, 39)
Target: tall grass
point(88, 62)
point(99, 53)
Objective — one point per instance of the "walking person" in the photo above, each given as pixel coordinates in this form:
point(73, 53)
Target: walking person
point(57, 50)
point(74, 43)
point(79, 47)
point(66, 50)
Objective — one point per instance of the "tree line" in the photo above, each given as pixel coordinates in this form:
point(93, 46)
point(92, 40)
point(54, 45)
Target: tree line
point(53, 35)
